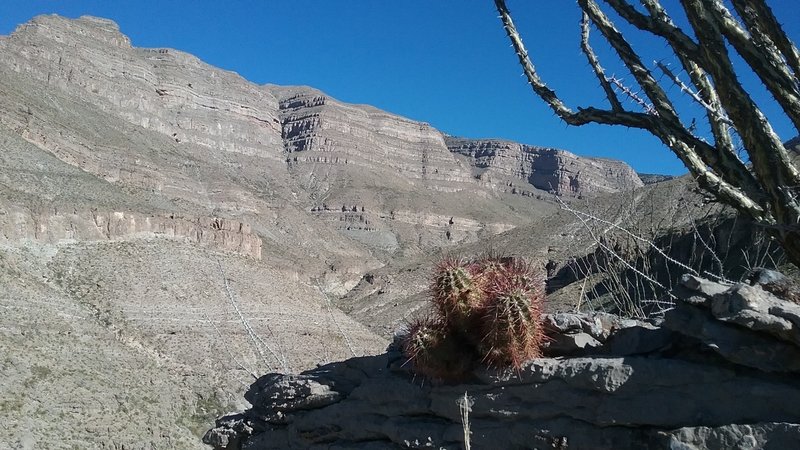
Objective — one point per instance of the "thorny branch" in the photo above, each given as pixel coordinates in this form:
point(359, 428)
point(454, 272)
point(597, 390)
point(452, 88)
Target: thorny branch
point(634, 96)
point(598, 69)
point(713, 109)
point(766, 189)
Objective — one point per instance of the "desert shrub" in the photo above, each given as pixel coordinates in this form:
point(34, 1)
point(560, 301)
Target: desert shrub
point(642, 248)
point(485, 311)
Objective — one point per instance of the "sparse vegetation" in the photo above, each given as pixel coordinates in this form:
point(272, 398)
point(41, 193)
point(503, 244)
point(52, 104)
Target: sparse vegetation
point(486, 311)
point(639, 257)
point(736, 155)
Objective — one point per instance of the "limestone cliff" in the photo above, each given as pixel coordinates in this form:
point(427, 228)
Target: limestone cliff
point(520, 168)
point(319, 129)
point(164, 122)
point(54, 226)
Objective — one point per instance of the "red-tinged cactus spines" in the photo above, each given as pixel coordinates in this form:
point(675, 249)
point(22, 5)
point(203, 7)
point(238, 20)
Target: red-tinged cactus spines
point(512, 331)
point(512, 325)
point(487, 311)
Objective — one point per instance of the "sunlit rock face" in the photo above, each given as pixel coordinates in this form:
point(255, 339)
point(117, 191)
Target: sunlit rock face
point(505, 163)
point(234, 148)
point(318, 129)
point(158, 89)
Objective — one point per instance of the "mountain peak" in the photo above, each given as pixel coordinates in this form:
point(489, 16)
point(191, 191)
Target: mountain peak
point(81, 31)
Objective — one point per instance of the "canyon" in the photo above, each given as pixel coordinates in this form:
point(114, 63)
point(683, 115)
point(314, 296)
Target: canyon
point(171, 232)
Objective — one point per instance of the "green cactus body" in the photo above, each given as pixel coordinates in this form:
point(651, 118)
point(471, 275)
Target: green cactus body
point(456, 294)
point(512, 332)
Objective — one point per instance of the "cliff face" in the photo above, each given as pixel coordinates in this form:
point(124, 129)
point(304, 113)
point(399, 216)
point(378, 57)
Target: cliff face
point(163, 90)
point(408, 190)
point(165, 122)
point(318, 129)
point(519, 167)
point(321, 130)
point(54, 226)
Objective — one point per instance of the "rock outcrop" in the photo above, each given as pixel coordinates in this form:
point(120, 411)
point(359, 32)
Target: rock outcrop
point(520, 168)
point(51, 227)
point(652, 178)
point(320, 129)
point(718, 371)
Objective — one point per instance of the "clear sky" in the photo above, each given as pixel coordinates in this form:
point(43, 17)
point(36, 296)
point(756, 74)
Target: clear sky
point(446, 62)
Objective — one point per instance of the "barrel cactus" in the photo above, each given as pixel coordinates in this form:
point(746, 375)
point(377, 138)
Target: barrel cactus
point(512, 325)
point(435, 352)
point(486, 311)
point(456, 292)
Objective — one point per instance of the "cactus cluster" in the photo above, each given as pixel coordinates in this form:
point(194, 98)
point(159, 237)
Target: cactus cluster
point(485, 311)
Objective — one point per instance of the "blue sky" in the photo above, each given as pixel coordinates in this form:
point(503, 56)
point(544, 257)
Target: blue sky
point(446, 62)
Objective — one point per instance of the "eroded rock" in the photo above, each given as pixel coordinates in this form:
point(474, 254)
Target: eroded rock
point(706, 378)
point(504, 163)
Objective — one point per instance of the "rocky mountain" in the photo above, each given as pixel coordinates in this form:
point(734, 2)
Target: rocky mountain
point(525, 169)
point(169, 230)
point(272, 140)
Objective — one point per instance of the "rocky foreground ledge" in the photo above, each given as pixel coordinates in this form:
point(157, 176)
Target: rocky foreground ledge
point(718, 371)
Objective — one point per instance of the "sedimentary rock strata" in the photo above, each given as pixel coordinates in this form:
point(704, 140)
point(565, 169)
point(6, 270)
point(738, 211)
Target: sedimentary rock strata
point(518, 167)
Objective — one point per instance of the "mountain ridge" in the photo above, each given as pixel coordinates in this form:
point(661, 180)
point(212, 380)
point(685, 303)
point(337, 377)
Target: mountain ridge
point(157, 202)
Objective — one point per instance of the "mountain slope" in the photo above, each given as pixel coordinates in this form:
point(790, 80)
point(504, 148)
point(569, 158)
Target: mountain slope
point(167, 227)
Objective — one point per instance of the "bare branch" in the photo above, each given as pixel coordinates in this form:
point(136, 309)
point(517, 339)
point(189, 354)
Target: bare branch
point(723, 158)
point(726, 158)
point(583, 215)
point(767, 190)
point(761, 54)
point(634, 96)
point(643, 77)
point(583, 116)
point(595, 63)
point(770, 159)
point(584, 219)
point(658, 23)
point(714, 110)
point(669, 128)
point(711, 181)
point(254, 337)
point(764, 20)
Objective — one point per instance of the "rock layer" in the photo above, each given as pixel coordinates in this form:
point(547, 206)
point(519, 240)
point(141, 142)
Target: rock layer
point(163, 122)
point(518, 168)
point(655, 384)
point(319, 129)
point(164, 90)
point(18, 224)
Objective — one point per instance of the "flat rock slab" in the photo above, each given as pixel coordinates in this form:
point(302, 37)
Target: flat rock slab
point(588, 402)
